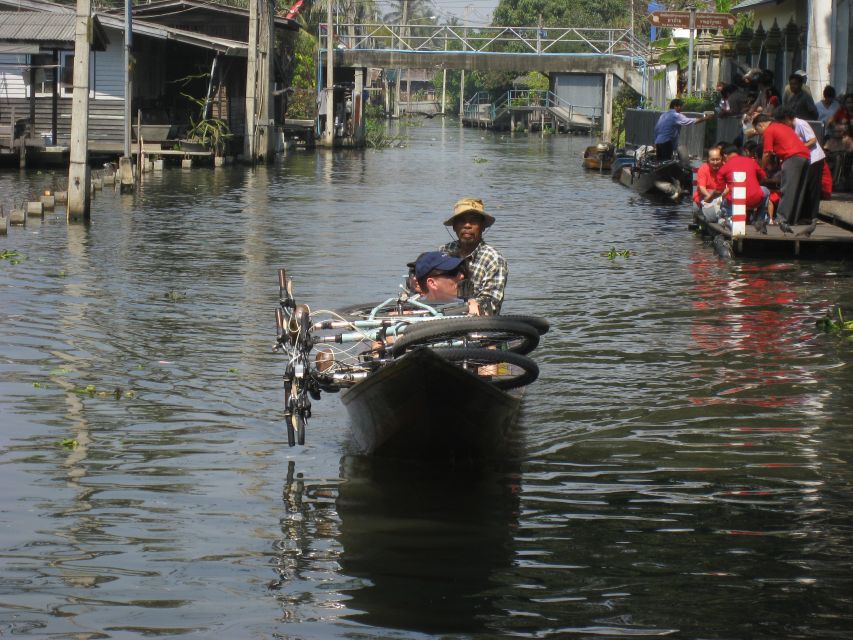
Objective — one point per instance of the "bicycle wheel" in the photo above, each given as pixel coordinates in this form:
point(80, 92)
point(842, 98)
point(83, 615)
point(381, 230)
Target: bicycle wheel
point(505, 369)
point(475, 331)
point(363, 311)
point(298, 424)
point(540, 324)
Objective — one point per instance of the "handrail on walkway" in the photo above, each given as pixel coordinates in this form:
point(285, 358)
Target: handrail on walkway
point(378, 36)
point(525, 98)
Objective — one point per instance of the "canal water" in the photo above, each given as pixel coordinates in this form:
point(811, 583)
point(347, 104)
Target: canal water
point(682, 467)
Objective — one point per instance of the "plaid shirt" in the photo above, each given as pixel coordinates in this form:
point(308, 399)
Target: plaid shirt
point(487, 274)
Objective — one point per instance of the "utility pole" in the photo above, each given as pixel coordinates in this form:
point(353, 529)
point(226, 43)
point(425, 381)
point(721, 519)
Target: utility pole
point(404, 16)
point(692, 11)
point(251, 84)
point(329, 130)
point(125, 163)
point(462, 79)
point(444, 78)
point(78, 170)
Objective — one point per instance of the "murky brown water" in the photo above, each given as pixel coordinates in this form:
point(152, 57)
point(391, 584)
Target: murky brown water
point(685, 458)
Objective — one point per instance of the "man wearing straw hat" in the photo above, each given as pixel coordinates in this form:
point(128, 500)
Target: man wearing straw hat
point(487, 268)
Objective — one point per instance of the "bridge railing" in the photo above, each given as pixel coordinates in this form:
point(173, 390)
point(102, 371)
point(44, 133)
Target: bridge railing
point(480, 106)
point(530, 40)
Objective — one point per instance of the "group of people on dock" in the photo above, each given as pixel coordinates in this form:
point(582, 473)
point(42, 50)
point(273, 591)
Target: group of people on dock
point(786, 163)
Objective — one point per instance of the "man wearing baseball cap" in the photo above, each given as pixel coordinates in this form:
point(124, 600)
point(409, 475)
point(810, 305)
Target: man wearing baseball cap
point(486, 267)
point(438, 274)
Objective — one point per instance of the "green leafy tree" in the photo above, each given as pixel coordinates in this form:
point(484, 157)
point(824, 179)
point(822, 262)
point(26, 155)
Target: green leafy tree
point(559, 13)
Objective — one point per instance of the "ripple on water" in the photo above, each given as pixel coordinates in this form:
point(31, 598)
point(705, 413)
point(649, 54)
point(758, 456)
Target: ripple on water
point(684, 451)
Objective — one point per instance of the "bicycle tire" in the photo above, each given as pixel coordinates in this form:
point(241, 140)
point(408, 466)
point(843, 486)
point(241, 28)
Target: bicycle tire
point(363, 311)
point(483, 331)
point(540, 324)
point(483, 357)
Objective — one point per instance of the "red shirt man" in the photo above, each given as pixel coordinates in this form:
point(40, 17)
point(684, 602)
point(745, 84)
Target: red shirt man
point(784, 142)
point(708, 182)
point(754, 174)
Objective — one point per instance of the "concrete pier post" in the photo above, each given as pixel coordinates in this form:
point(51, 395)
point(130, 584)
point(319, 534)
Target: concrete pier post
point(607, 111)
point(125, 174)
point(49, 201)
point(78, 171)
point(4, 224)
point(358, 107)
point(35, 208)
point(18, 216)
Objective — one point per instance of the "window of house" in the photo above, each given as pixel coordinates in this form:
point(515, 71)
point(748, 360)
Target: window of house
point(66, 73)
point(43, 71)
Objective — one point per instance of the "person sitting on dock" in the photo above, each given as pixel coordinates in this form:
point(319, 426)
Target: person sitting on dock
point(794, 156)
point(668, 128)
point(708, 183)
point(756, 195)
point(486, 267)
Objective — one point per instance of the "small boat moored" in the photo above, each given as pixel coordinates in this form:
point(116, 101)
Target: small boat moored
point(672, 179)
point(599, 157)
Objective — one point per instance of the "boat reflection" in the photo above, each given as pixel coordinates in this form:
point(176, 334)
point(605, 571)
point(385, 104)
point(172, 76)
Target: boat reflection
point(427, 544)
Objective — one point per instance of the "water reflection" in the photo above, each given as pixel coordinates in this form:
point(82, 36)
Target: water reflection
point(423, 545)
point(683, 460)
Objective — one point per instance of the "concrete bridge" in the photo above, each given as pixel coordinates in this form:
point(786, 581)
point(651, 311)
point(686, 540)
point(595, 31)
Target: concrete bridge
point(605, 52)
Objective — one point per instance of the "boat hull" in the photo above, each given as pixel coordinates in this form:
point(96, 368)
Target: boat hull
point(423, 406)
point(671, 180)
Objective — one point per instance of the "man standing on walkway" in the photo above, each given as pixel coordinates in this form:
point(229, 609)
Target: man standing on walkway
point(487, 269)
point(669, 126)
point(798, 100)
point(810, 199)
point(794, 155)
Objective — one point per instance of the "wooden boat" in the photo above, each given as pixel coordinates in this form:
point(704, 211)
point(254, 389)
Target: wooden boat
point(424, 404)
point(417, 383)
point(599, 157)
point(672, 179)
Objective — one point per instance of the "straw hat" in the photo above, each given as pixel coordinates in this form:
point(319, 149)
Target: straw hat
point(470, 205)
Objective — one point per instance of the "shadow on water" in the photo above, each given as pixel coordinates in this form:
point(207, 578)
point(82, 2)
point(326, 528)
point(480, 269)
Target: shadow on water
point(423, 545)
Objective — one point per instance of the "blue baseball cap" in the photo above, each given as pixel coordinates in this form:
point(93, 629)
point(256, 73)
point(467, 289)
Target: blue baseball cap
point(432, 260)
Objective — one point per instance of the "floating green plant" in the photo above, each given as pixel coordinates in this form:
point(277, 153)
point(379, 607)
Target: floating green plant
point(12, 256)
point(173, 295)
point(233, 370)
point(618, 253)
point(60, 371)
point(479, 160)
point(88, 389)
point(834, 322)
point(69, 443)
point(39, 385)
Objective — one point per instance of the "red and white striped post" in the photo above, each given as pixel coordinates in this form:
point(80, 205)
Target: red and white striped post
point(739, 204)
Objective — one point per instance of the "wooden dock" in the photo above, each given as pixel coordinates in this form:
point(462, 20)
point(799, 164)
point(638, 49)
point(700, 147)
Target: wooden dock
point(828, 240)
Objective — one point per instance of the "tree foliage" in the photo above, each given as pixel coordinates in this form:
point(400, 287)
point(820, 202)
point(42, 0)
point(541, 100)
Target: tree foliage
point(560, 13)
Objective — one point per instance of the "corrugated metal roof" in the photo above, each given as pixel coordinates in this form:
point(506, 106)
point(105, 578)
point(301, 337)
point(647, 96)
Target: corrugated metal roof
point(748, 5)
point(223, 45)
point(36, 26)
point(153, 8)
point(46, 28)
point(36, 5)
